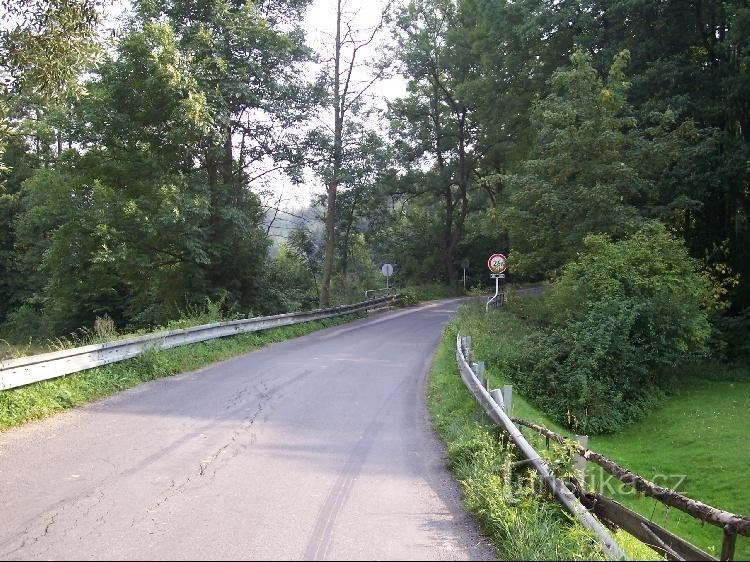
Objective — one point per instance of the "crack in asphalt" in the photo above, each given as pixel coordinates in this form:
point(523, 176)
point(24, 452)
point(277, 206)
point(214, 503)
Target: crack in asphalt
point(262, 391)
point(265, 394)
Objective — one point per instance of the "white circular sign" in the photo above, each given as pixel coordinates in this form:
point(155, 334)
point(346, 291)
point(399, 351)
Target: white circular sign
point(496, 263)
point(387, 269)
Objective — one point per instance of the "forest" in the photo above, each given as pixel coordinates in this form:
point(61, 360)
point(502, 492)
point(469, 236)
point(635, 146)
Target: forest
point(133, 162)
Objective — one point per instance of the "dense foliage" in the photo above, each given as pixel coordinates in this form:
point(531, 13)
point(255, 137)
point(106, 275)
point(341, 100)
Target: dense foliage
point(140, 203)
point(131, 176)
point(580, 117)
point(617, 313)
point(577, 179)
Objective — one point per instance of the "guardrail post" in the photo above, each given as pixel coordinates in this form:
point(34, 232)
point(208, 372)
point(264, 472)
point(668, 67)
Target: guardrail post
point(479, 370)
point(729, 542)
point(507, 398)
point(497, 396)
point(579, 463)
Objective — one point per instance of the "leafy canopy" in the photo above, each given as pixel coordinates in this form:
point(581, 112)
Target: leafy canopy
point(618, 312)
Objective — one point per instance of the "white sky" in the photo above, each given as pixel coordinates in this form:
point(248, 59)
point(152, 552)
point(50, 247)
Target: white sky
point(320, 27)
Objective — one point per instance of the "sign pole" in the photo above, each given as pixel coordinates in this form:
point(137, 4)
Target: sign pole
point(464, 265)
point(496, 265)
point(387, 271)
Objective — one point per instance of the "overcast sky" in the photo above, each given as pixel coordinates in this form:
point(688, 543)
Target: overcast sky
point(320, 26)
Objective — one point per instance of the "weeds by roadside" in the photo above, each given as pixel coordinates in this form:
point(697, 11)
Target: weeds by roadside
point(522, 524)
point(694, 441)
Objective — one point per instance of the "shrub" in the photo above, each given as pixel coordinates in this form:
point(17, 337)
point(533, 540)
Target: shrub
point(616, 314)
point(25, 322)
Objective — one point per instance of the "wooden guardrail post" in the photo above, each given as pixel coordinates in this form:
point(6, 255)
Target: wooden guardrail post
point(729, 542)
point(579, 463)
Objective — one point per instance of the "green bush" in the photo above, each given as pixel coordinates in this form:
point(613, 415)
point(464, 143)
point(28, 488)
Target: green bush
point(24, 322)
point(616, 314)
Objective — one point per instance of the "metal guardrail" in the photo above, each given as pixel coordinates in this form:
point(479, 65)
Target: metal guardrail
point(45, 366)
point(497, 404)
point(658, 538)
point(383, 290)
point(493, 404)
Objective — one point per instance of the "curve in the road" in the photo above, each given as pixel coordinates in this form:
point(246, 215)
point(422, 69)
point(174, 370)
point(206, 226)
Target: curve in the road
point(315, 448)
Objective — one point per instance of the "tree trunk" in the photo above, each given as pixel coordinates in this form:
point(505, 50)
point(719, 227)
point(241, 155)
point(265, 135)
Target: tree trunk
point(227, 160)
point(448, 245)
point(214, 222)
point(333, 183)
point(330, 244)
point(348, 234)
point(463, 199)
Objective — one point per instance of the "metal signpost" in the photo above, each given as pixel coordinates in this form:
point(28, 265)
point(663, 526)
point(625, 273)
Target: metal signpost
point(465, 264)
point(497, 267)
point(387, 270)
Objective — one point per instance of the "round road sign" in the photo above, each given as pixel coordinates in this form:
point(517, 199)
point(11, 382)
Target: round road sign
point(496, 263)
point(387, 269)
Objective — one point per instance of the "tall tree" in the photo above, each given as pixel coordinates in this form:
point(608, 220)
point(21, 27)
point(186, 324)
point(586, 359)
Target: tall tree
point(578, 179)
point(44, 46)
point(433, 127)
point(692, 58)
point(248, 70)
point(346, 89)
point(152, 207)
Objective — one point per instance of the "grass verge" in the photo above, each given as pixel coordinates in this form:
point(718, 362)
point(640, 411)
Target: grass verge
point(42, 399)
point(523, 524)
point(696, 441)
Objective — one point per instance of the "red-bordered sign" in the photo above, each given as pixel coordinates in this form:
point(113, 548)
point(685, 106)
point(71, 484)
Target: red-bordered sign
point(496, 263)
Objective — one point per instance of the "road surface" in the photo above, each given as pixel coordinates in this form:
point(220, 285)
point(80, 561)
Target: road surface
point(315, 448)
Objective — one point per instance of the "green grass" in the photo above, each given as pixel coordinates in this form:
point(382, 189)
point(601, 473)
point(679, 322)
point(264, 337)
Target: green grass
point(697, 439)
point(522, 523)
point(700, 432)
point(104, 331)
point(42, 399)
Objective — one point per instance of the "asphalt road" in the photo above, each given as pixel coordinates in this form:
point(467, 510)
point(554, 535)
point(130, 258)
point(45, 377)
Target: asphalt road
point(315, 448)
